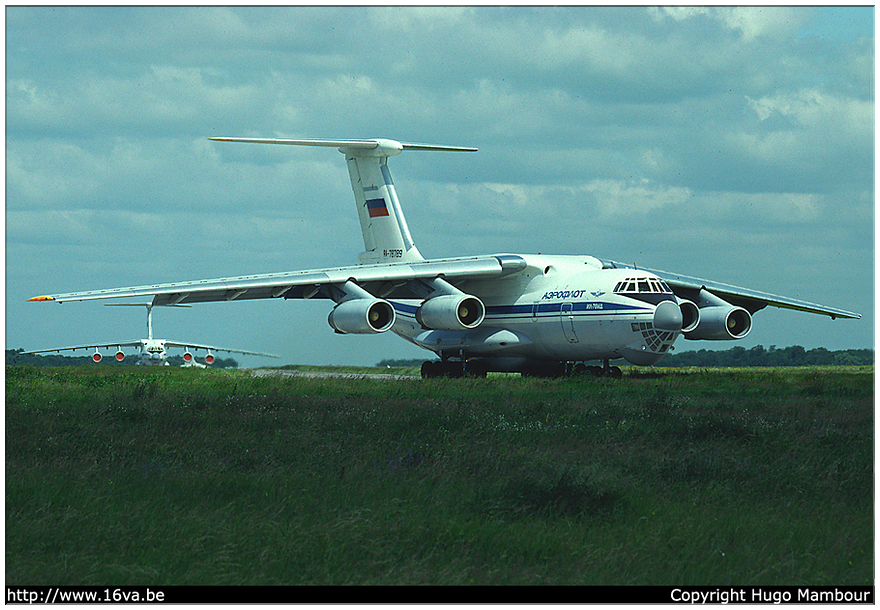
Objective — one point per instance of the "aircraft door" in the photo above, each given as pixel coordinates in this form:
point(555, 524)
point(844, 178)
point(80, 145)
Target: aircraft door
point(567, 319)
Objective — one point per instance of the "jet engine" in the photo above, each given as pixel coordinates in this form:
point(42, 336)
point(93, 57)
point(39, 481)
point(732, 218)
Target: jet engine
point(209, 358)
point(96, 357)
point(362, 316)
point(451, 312)
point(187, 357)
point(721, 322)
point(690, 315)
point(120, 356)
point(718, 320)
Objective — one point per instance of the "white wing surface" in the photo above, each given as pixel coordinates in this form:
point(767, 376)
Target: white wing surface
point(752, 300)
point(389, 280)
point(116, 344)
point(211, 348)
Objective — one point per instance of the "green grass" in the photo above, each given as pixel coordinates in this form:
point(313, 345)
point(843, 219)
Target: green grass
point(178, 477)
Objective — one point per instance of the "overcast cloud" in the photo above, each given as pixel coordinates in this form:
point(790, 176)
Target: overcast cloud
point(735, 144)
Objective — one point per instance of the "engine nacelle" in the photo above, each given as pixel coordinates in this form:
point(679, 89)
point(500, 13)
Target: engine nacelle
point(721, 322)
point(209, 358)
point(690, 315)
point(451, 312)
point(362, 316)
point(96, 357)
point(120, 356)
point(187, 357)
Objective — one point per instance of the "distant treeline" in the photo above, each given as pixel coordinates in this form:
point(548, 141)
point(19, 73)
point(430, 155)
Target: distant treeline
point(740, 356)
point(758, 356)
point(14, 357)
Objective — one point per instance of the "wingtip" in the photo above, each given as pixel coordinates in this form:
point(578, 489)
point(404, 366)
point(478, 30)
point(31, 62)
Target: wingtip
point(44, 298)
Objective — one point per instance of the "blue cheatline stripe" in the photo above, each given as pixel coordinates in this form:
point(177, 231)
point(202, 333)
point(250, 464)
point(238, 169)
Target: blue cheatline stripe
point(404, 308)
point(589, 307)
point(498, 313)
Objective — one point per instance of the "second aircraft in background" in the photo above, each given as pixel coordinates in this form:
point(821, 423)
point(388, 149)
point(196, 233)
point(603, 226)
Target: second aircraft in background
point(152, 351)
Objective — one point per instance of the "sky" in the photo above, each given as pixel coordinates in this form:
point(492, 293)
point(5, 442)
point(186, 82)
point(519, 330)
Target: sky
point(729, 143)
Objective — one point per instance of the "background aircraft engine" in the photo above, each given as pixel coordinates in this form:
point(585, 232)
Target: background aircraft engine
point(120, 356)
point(690, 315)
point(721, 322)
point(96, 357)
point(187, 357)
point(451, 312)
point(362, 316)
point(209, 358)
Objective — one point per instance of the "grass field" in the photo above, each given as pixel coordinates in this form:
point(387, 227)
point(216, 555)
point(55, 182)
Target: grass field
point(179, 477)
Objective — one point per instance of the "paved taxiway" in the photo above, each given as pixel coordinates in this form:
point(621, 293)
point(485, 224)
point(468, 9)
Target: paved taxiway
point(328, 375)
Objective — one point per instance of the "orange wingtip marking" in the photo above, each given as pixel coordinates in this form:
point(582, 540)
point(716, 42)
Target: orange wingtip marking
point(42, 299)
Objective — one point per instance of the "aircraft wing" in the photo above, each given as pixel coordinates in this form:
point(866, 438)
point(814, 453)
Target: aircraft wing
point(751, 300)
point(388, 280)
point(211, 348)
point(90, 346)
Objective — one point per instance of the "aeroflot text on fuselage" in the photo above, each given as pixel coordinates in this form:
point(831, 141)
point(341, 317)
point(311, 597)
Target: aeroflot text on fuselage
point(564, 294)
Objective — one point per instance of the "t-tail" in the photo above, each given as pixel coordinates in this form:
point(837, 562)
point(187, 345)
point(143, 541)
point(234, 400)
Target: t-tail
point(386, 235)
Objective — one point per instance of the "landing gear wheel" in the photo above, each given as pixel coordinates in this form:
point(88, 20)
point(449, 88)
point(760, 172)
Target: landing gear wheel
point(429, 369)
point(453, 369)
point(581, 370)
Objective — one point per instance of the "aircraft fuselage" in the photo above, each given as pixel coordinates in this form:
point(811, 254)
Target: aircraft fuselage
point(559, 308)
point(153, 353)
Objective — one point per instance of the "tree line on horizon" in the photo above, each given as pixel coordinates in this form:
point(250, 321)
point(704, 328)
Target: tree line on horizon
point(794, 355)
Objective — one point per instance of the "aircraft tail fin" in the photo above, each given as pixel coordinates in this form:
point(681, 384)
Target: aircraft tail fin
point(386, 234)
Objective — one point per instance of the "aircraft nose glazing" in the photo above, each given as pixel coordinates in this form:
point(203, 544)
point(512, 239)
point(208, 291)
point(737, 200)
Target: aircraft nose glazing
point(667, 316)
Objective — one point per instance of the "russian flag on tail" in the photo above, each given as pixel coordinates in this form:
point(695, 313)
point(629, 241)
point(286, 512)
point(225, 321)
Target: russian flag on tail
point(376, 207)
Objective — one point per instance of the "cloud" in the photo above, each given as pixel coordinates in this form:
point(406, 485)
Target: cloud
point(750, 21)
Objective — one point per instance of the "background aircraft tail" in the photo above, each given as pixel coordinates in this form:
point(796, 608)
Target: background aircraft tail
point(386, 235)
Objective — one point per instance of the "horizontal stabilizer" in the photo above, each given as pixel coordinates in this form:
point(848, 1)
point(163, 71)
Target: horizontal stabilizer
point(378, 147)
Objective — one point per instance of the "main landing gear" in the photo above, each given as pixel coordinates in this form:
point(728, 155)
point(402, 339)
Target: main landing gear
point(573, 369)
point(582, 370)
point(453, 368)
point(475, 367)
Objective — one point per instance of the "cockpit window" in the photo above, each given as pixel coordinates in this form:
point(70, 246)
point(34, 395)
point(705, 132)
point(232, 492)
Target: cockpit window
point(633, 285)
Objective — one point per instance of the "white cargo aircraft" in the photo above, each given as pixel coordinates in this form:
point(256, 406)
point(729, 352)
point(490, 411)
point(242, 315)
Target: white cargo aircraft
point(536, 314)
point(153, 351)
